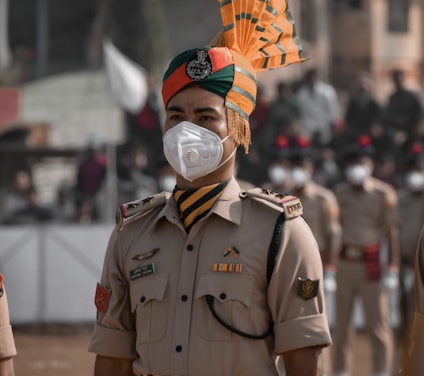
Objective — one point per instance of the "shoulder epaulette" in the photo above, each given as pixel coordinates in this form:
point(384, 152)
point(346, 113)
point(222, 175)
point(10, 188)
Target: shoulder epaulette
point(131, 211)
point(290, 204)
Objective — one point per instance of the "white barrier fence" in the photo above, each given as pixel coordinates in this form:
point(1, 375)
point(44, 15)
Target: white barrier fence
point(51, 273)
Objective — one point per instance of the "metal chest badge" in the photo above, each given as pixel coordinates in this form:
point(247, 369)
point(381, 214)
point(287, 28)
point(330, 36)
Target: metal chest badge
point(307, 288)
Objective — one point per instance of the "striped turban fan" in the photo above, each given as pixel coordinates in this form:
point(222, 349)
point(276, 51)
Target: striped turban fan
point(257, 35)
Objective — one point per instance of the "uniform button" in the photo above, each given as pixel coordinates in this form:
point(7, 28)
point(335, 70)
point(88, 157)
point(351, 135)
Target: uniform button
point(142, 299)
point(190, 247)
point(223, 296)
point(184, 298)
point(179, 348)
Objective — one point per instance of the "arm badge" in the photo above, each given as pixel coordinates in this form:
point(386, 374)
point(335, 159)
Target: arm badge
point(102, 297)
point(307, 288)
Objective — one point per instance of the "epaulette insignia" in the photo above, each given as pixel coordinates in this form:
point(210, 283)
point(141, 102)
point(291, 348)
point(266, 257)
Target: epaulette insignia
point(133, 210)
point(291, 204)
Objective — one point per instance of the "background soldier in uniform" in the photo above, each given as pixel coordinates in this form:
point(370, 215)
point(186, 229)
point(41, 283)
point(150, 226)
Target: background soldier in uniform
point(413, 363)
point(411, 219)
point(321, 211)
point(187, 288)
point(7, 344)
point(368, 217)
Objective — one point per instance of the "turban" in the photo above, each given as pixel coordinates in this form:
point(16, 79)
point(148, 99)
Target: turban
point(257, 35)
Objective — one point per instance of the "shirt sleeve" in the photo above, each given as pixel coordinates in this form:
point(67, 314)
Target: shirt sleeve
point(114, 333)
point(391, 205)
point(299, 321)
point(419, 278)
point(7, 343)
point(331, 211)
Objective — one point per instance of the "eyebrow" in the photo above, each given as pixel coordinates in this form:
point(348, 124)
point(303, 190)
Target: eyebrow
point(196, 111)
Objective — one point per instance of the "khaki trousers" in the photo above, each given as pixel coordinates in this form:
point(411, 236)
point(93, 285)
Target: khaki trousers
point(352, 282)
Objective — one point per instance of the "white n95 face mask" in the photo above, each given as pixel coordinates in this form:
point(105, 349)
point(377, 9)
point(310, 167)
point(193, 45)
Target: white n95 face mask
point(414, 180)
point(357, 173)
point(300, 176)
point(193, 151)
point(278, 174)
point(167, 182)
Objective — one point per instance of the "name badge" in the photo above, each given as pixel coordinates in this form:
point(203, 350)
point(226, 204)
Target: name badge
point(142, 271)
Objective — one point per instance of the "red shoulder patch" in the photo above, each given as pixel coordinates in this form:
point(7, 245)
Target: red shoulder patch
point(102, 297)
point(1, 285)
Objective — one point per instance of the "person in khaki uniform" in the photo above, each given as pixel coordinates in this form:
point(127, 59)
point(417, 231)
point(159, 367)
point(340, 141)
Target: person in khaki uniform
point(188, 287)
point(414, 366)
point(368, 215)
point(321, 212)
point(320, 206)
point(7, 344)
point(411, 219)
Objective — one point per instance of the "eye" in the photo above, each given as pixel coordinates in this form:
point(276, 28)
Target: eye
point(175, 117)
point(206, 118)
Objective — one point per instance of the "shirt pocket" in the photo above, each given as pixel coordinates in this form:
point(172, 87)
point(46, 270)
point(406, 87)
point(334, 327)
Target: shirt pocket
point(232, 296)
point(148, 302)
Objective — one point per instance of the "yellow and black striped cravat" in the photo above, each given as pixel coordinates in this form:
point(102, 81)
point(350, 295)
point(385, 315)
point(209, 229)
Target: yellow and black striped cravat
point(196, 203)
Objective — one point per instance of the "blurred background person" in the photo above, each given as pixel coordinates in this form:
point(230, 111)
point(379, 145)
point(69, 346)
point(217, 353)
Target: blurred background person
point(90, 178)
point(321, 212)
point(368, 216)
point(411, 220)
point(250, 166)
point(134, 180)
point(385, 160)
point(413, 360)
point(282, 112)
point(318, 106)
point(362, 109)
point(145, 127)
point(403, 113)
point(21, 204)
point(279, 179)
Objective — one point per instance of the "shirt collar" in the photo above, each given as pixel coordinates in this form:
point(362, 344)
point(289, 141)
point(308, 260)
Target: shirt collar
point(228, 206)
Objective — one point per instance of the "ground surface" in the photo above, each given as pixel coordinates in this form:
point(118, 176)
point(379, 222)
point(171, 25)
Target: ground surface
point(62, 351)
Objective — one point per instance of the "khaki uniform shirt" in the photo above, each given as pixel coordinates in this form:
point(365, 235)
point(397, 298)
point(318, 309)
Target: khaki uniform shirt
point(162, 321)
point(366, 214)
point(416, 363)
point(411, 219)
point(321, 211)
point(7, 344)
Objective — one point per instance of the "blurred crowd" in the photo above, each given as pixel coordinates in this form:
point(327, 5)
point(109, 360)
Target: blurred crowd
point(312, 109)
point(309, 108)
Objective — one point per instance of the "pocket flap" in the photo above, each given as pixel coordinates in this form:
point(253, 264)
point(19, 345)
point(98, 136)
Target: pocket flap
point(226, 286)
point(143, 290)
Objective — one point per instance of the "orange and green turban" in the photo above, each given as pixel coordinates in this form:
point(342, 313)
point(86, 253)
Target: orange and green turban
point(257, 35)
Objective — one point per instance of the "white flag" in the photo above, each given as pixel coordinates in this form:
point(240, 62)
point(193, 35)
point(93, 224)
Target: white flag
point(5, 57)
point(127, 80)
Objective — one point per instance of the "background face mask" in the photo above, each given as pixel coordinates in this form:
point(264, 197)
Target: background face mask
point(299, 176)
point(167, 183)
point(356, 174)
point(414, 180)
point(192, 151)
point(278, 174)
